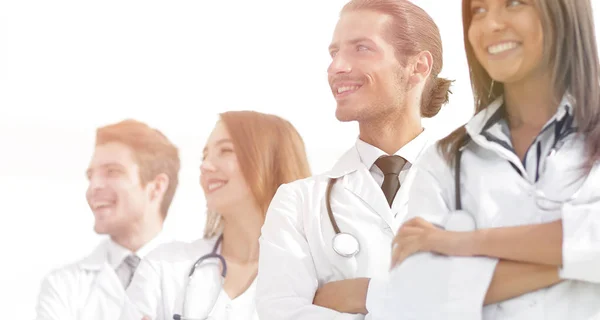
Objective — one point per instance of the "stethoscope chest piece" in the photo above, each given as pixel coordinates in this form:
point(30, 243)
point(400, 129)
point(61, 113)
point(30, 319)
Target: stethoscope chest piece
point(345, 245)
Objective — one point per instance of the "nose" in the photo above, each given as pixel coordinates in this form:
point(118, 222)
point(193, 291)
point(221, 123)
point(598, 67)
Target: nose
point(494, 21)
point(96, 183)
point(207, 166)
point(339, 64)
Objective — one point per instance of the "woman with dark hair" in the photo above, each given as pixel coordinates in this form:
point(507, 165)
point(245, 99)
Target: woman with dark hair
point(246, 158)
point(509, 204)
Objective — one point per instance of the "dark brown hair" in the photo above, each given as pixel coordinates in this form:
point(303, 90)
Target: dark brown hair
point(571, 53)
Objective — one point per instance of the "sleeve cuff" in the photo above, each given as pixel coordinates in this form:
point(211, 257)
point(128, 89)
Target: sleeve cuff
point(376, 292)
point(456, 286)
point(581, 244)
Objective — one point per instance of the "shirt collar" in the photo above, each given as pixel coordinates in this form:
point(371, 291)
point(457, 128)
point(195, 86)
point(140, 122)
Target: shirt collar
point(410, 152)
point(494, 113)
point(118, 253)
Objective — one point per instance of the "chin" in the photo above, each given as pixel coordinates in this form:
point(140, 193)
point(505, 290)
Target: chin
point(506, 75)
point(216, 208)
point(100, 229)
point(343, 114)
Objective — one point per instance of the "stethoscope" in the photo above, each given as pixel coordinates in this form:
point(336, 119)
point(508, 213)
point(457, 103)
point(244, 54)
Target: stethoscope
point(344, 244)
point(199, 309)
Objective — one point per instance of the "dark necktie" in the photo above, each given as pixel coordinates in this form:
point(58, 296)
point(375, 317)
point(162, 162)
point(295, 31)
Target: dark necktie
point(391, 167)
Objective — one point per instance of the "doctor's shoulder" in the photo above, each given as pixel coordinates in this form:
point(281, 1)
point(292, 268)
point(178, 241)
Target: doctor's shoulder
point(70, 281)
point(64, 276)
point(90, 262)
point(433, 159)
point(301, 191)
point(293, 200)
point(179, 251)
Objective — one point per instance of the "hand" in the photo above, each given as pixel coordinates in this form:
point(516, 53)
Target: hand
point(346, 296)
point(418, 235)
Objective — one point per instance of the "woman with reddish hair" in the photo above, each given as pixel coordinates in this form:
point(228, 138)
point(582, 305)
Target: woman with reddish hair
point(246, 158)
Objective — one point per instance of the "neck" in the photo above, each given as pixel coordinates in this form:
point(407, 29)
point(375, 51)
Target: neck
point(241, 230)
point(392, 133)
point(140, 233)
point(531, 110)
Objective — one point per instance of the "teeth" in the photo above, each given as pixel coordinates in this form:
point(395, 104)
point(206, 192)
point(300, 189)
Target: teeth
point(499, 48)
point(347, 88)
point(99, 205)
point(215, 185)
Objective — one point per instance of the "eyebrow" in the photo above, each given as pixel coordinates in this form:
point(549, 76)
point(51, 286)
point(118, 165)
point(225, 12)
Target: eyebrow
point(218, 142)
point(89, 171)
point(353, 41)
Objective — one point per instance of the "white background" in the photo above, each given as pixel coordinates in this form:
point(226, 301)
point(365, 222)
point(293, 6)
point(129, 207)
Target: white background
point(69, 67)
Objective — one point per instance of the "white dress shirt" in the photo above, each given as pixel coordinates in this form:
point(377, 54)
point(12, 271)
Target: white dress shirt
point(410, 152)
point(117, 253)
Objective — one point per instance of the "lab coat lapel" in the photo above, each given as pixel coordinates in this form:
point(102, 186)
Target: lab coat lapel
point(106, 295)
point(362, 184)
point(358, 180)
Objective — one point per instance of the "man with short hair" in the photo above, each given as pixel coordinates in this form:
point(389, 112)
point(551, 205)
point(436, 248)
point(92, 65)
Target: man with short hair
point(133, 175)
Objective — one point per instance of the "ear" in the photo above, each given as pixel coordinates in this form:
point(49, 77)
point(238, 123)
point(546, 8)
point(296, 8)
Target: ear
point(159, 186)
point(421, 67)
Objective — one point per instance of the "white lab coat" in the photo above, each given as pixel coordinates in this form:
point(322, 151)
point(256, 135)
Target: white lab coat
point(296, 254)
point(429, 286)
point(86, 290)
point(158, 287)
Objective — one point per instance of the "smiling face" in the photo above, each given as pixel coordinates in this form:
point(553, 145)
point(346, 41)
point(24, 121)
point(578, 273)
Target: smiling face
point(365, 76)
point(115, 193)
point(507, 38)
point(221, 177)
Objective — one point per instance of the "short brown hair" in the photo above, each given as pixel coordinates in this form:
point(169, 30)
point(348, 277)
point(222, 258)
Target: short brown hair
point(270, 153)
point(411, 31)
point(153, 152)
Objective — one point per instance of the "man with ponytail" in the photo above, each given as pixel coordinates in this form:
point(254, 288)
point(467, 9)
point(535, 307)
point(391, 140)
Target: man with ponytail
point(386, 58)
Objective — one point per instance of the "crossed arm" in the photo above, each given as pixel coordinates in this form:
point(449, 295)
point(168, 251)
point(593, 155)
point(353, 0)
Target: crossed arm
point(530, 257)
